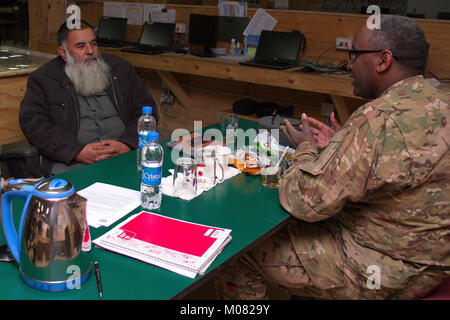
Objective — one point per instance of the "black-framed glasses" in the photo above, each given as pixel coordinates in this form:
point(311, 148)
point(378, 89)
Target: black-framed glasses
point(353, 54)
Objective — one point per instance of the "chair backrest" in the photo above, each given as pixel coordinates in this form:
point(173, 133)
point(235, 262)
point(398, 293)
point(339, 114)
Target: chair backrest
point(23, 162)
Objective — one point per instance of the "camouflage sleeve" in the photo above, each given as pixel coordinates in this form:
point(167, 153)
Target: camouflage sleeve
point(315, 188)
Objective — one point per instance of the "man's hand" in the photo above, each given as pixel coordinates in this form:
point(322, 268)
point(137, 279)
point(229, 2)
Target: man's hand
point(117, 146)
point(295, 136)
point(323, 133)
point(96, 151)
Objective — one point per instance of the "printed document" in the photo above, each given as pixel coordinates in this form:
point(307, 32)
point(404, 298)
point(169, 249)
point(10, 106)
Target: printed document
point(107, 203)
point(260, 21)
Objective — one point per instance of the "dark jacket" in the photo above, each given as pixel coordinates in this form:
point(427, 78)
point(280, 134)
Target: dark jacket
point(50, 113)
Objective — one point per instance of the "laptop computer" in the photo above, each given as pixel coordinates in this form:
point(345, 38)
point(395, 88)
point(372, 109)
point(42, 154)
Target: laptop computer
point(111, 31)
point(277, 50)
point(155, 38)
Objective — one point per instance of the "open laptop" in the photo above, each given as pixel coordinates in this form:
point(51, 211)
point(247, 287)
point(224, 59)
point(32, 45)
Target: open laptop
point(111, 31)
point(155, 38)
point(277, 50)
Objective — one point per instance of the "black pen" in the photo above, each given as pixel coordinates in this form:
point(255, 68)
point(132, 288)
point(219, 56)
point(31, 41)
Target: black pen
point(99, 280)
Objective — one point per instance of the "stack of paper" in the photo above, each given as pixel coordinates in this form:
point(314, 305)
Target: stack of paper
point(107, 203)
point(176, 245)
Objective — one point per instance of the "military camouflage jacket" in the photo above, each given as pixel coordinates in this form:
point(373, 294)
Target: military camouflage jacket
point(382, 184)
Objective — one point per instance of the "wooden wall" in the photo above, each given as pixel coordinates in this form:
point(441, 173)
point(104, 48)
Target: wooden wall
point(320, 29)
point(12, 90)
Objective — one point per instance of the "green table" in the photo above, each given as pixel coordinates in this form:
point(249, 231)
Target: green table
point(241, 204)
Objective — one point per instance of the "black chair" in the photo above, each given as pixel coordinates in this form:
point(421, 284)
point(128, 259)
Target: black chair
point(22, 162)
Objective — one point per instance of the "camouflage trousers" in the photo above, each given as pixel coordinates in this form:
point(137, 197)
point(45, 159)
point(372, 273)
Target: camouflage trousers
point(276, 262)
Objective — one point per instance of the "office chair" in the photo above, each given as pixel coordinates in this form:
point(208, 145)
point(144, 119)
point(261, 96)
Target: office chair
point(22, 162)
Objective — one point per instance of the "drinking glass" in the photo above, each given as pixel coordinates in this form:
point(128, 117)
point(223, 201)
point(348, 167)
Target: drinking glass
point(229, 124)
point(187, 183)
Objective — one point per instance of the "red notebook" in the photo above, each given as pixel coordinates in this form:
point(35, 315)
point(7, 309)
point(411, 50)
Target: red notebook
point(180, 246)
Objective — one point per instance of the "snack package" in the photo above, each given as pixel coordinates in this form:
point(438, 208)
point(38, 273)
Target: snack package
point(248, 160)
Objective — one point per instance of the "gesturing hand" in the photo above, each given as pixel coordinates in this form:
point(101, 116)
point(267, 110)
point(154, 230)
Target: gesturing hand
point(296, 136)
point(323, 133)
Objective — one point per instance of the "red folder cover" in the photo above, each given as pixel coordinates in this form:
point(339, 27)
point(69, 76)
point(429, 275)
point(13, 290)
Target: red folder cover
point(180, 246)
point(178, 235)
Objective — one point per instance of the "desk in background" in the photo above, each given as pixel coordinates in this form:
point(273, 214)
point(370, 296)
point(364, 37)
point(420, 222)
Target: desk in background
point(337, 86)
point(240, 203)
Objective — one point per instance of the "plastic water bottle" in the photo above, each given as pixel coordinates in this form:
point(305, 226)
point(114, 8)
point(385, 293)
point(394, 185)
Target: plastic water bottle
point(152, 159)
point(146, 124)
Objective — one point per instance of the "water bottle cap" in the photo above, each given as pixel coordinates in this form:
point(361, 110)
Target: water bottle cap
point(153, 135)
point(147, 109)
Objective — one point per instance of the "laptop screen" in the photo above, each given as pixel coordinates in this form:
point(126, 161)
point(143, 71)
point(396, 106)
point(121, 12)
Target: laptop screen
point(157, 34)
point(112, 28)
point(277, 45)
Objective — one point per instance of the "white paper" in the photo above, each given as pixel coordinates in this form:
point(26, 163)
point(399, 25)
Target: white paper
point(164, 17)
point(114, 9)
point(260, 21)
point(236, 57)
point(149, 8)
point(108, 203)
point(135, 13)
point(168, 190)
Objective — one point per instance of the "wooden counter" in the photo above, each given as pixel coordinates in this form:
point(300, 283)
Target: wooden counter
point(15, 66)
point(337, 86)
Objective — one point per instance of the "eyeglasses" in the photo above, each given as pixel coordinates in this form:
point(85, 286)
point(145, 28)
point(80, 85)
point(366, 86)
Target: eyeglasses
point(352, 54)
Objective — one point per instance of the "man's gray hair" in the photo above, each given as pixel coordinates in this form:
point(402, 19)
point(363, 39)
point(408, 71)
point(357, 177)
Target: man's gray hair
point(404, 38)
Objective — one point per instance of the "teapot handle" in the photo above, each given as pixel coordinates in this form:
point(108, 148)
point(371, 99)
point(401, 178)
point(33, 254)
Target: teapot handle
point(9, 230)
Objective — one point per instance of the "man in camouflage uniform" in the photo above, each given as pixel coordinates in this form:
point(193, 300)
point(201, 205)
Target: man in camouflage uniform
point(373, 209)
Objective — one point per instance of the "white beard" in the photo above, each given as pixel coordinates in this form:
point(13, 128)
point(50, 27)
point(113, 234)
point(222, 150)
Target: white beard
point(88, 79)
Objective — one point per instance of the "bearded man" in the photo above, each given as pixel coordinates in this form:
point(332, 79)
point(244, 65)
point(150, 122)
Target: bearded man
point(83, 106)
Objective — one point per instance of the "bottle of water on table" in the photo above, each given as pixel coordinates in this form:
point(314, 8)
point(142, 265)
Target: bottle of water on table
point(152, 160)
point(146, 124)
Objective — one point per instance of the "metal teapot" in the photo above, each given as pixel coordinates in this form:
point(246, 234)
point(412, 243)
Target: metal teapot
point(52, 233)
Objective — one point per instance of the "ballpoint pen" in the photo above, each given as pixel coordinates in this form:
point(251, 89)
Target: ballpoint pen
point(99, 280)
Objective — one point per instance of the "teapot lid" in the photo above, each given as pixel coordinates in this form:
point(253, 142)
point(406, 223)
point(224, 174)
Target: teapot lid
point(54, 188)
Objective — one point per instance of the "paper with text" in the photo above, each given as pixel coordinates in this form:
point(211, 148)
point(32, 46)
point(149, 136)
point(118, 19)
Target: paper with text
point(114, 9)
point(260, 21)
point(108, 203)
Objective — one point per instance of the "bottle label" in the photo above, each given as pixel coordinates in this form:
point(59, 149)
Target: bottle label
point(151, 176)
point(142, 140)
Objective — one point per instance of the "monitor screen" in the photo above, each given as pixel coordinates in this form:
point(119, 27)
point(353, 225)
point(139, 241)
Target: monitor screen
point(112, 28)
point(203, 30)
point(157, 34)
point(231, 27)
point(279, 45)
